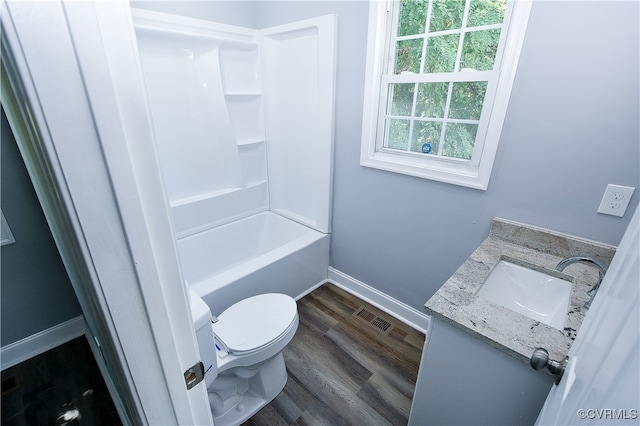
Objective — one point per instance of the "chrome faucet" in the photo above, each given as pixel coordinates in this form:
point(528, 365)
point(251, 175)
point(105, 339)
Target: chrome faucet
point(601, 270)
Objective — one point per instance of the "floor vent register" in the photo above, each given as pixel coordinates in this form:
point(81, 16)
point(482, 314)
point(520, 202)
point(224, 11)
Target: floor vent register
point(372, 319)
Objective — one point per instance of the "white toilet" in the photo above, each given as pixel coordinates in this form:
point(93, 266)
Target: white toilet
point(241, 351)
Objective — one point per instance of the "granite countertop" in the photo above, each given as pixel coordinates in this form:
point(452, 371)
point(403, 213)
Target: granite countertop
point(456, 302)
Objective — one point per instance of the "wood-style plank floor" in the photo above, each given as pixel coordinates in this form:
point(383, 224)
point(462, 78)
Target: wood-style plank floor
point(344, 369)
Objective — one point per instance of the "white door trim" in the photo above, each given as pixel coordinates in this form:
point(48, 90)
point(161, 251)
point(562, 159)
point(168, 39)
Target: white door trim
point(96, 175)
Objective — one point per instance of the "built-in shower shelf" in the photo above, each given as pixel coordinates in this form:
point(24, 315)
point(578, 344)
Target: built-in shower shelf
point(213, 209)
point(246, 116)
point(214, 194)
point(249, 142)
point(242, 94)
point(203, 196)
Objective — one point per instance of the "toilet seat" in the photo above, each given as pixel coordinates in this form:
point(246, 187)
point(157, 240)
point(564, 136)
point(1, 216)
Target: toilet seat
point(252, 323)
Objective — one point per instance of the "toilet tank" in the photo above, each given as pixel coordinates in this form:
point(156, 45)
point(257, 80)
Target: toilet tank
point(204, 334)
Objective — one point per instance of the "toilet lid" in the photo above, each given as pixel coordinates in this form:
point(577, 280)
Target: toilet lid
point(256, 321)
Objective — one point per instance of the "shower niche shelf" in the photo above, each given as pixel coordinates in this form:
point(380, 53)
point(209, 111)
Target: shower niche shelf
point(246, 142)
point(246, 117)
point(239, 70)
point(217, 208)
point(253, 160)
point(242, 94)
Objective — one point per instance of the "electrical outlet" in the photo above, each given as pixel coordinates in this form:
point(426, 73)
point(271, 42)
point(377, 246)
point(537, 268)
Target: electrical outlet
point(615, 200)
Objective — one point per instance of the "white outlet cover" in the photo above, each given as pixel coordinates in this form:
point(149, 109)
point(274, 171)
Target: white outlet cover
point(616, 200)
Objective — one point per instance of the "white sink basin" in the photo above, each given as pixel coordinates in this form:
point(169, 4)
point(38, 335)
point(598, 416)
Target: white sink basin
point(531, 293)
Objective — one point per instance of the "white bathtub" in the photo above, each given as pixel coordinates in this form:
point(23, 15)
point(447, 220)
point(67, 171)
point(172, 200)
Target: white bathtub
point(262, 253)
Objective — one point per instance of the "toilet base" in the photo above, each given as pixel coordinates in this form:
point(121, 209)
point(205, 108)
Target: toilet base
point(240, 392)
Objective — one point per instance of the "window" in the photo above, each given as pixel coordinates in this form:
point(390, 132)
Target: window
point(439, 75)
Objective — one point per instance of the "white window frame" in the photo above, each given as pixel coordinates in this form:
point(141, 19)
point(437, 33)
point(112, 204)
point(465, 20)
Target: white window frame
point(474, 173)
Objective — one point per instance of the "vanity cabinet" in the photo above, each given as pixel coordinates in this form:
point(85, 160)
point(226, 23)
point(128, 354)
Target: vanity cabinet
point(464, 381)
point(475, 364)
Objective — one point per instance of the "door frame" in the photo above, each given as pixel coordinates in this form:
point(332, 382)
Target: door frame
point(74, 95)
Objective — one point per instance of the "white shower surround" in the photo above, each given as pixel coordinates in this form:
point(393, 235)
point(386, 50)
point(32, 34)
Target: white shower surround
point(244, 127)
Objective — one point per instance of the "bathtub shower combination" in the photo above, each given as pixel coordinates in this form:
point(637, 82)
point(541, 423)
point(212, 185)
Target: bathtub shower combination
point(244, 127)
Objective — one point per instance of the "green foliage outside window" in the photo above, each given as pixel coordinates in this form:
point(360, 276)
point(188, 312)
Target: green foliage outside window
point(486, 12)
point(413, 17)
point(425, 122)
point(445, 14)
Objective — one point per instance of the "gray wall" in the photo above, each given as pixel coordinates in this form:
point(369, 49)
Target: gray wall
point(571, 128)
point(35, 290)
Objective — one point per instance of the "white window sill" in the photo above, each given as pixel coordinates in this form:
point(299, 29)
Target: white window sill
point(454, 172)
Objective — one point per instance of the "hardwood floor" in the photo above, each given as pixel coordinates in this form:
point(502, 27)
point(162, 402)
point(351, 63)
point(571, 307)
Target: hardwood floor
point(346, 368)
point(65, 379)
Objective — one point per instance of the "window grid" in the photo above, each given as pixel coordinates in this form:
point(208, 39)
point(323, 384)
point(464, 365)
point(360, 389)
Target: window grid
point(465, 15)
point(413, 118)
point(380, 77)
point(463, 32)
point(447, 107)
point(425, 41)
point(449, 32)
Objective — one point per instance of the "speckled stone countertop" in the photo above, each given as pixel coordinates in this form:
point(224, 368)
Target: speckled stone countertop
point(456, 302)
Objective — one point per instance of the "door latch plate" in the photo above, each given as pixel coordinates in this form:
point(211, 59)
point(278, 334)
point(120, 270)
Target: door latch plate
point(194, 375)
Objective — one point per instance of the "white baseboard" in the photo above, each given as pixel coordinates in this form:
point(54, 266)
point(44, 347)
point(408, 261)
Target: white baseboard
point(38, 343)
point(401, 311)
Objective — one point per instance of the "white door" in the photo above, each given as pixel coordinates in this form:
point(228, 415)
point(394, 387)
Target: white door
point(601, 384)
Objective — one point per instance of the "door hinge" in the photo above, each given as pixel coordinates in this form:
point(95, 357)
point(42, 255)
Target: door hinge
point(194, 375)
